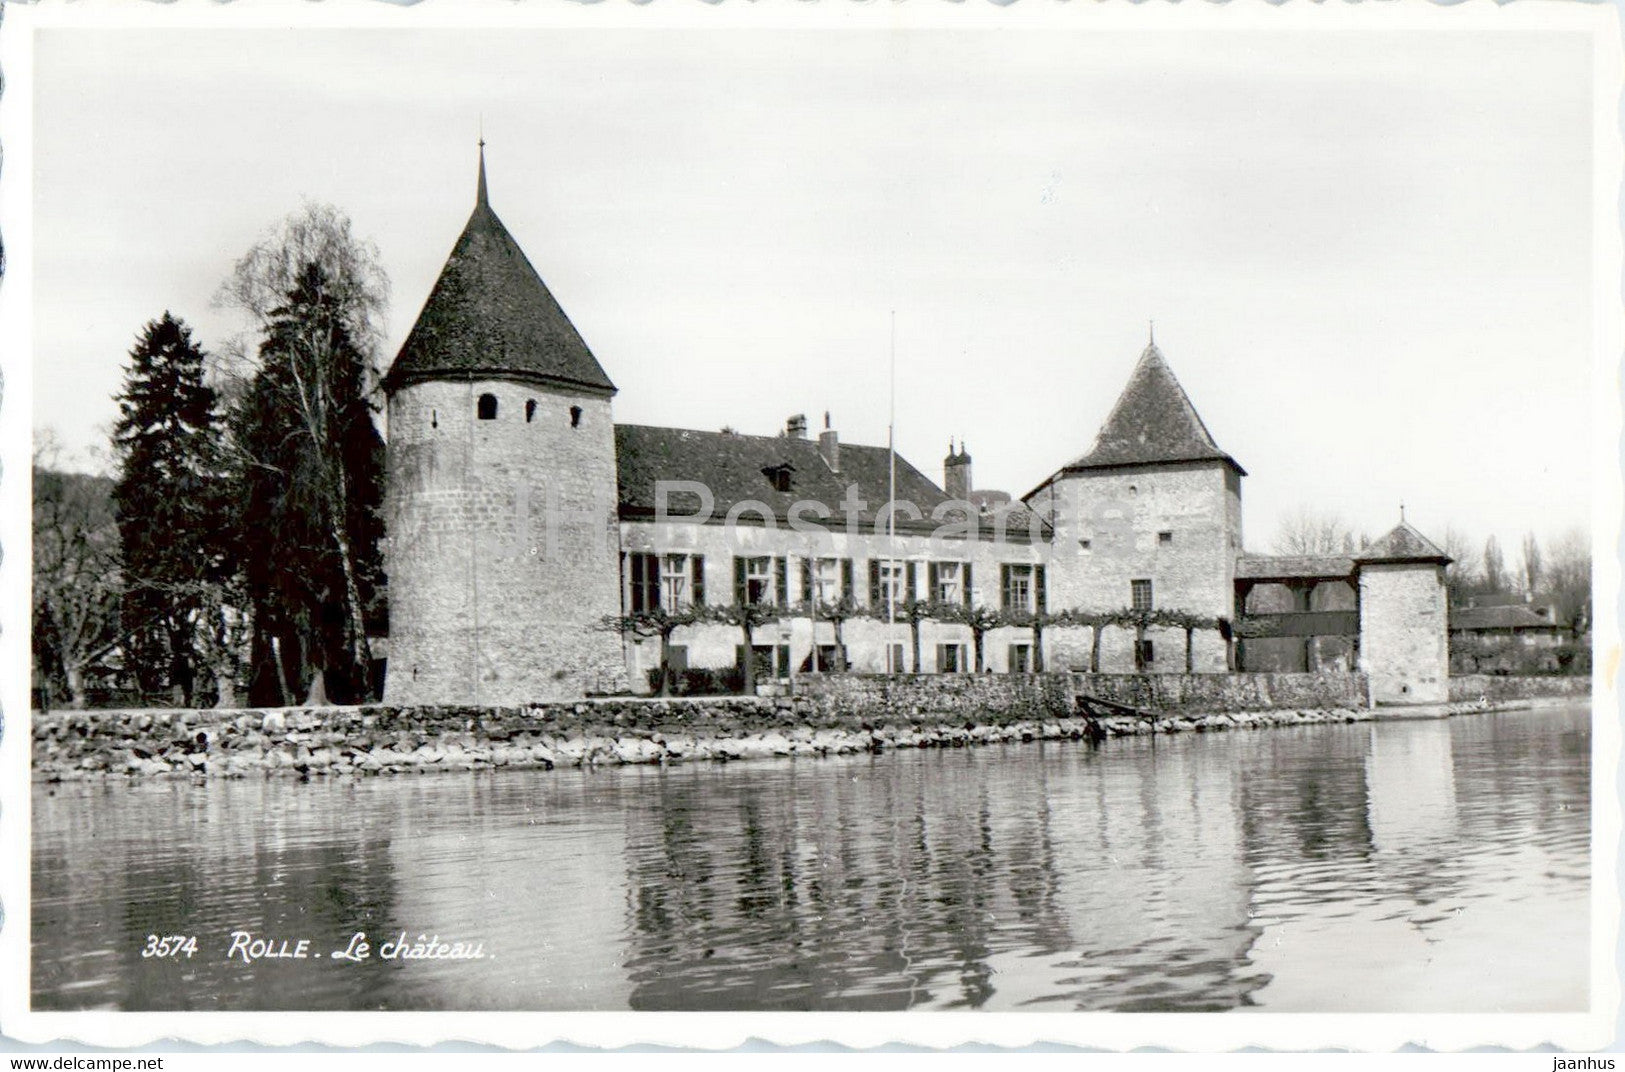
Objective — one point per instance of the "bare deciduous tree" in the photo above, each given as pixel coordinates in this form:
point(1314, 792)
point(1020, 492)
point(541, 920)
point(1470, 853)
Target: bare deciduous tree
point(76, 572)
point(1568, 576)
point(1533, 564)
point(1309, 532)
point(1495, 573)
point(1461, 576)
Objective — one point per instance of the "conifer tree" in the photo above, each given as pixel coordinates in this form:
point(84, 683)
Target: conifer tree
point(169, 507)
point(311, 477)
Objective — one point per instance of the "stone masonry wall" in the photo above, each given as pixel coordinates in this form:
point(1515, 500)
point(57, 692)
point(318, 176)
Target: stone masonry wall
point(1121, 512)
point(1403, 640)
point(502, 551)
point(1470, 687)
point(1226, 692)
point(833, 714)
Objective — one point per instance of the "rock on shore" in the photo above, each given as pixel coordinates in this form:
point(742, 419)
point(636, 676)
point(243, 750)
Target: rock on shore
point(361, 742)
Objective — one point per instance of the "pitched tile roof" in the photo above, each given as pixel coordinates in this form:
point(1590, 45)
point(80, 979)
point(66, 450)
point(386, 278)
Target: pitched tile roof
point(1153, 422)
point(490, 315)
point(1403, 544)
point(1472, 619)
point(1293, 567)
point(737, 468)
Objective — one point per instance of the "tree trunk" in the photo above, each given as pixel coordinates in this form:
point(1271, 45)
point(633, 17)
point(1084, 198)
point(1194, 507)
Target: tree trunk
point(355, 621)
point(1038, 648)
point(1190, 639)
point(915, 628)
point(1139, 648)
point(976, 637)
point(1094, 650)
point(317, 696)
point(283, 692)
point(225, 686)
point(76, 687)
point(749, 661)
point(840, 645)
point(665, 664)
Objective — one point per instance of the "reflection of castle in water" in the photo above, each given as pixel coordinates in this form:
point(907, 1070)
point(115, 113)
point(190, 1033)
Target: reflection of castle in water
point(932, 884)
point(1189, 874)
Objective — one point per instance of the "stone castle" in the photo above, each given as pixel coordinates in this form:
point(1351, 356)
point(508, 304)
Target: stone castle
point(521, 518)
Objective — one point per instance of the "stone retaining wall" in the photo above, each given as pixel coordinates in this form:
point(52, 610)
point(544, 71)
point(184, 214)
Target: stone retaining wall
point(829, 715)
point(349, 742)
point(1226, 692)
point(1495, 687)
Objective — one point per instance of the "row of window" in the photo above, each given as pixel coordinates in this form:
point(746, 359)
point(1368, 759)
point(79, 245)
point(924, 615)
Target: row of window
point(773, 660)
point(486, 410)
point(1165, 538)
point(677, 581)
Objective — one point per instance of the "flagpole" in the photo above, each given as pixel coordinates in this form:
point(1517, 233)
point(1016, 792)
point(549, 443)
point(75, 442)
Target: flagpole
point(891, 505)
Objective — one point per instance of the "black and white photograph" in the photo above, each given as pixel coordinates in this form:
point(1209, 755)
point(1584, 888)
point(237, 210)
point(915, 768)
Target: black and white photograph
point(756, 511)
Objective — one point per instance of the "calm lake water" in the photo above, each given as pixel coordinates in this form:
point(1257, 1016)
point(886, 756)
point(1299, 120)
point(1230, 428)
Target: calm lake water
point(1407, 866)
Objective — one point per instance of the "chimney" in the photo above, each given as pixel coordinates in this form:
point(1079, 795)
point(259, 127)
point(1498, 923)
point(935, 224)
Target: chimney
point(829, 445)
point(796, 427)
point(956, 473)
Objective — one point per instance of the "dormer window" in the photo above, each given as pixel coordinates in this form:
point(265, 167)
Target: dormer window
point(487, 408)
point(779, 475)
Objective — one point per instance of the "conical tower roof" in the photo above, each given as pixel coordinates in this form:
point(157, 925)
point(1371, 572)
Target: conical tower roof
point(1403, 544)
point(1153, 423)
point(491, 316)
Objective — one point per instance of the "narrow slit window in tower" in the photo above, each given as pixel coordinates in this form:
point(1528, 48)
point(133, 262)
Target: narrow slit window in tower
point(530, 410)
point(575, 416)
point(488, 407)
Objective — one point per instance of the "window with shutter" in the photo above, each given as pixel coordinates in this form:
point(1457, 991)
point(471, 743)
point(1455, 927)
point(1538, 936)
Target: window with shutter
point(909, 585)
point(1040, 592)
point(645, 582)
point(758, 580)
point(946, 580)
point(968, 583)
point(676, 575)
point(1017, 587)
point(874, 583)
point(697, 563)
point(781, 581)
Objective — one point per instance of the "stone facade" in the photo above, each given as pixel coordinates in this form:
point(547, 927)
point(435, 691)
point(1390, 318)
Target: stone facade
point(1403, 645)
point(502, 544)
point(714, 646)
point(1176, 526)
point(521, 519)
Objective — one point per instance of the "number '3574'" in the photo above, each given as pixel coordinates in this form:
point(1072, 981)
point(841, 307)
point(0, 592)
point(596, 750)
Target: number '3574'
point(174, 945)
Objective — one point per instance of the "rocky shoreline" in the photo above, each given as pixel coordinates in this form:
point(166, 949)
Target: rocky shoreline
point(361, 742)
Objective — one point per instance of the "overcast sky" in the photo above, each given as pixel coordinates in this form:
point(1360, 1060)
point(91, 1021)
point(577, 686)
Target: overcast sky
point(1368, 255)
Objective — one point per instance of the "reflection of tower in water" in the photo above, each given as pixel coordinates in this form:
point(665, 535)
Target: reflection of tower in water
point(1410, 785)
point(546, 895)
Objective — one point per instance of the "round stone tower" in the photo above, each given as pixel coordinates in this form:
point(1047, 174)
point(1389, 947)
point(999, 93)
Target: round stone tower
point(503, 553)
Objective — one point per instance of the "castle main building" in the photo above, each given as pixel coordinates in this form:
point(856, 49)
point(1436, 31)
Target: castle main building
point(521, 518)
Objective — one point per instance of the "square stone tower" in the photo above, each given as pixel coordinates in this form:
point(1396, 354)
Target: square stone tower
point(1149, 516)
point(1404, 620)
